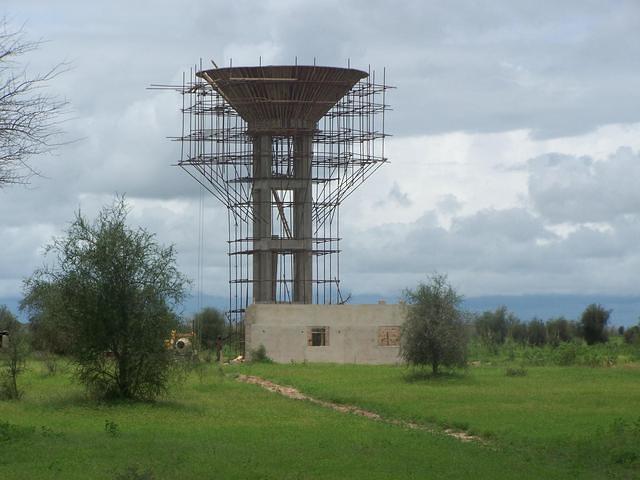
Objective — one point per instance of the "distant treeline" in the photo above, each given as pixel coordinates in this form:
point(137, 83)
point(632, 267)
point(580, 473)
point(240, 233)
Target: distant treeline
point(494, 328)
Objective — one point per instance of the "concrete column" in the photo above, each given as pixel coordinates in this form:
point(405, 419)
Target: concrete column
point(302, 224)
point(264, 265)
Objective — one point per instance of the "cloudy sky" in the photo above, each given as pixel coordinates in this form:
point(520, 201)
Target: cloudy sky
point(515, 156)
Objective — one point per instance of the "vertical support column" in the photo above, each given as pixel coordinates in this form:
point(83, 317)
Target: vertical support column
point(302, 224)
point(263, 261)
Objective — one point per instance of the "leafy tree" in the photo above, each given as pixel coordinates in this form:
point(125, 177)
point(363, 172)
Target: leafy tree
point(434, 331)
point(537, 333)
point(117, 288)
point(518, 332)
point(8, 321)
point(28, 117)
point(593, 324)
point(43, 305)
point(493, 327)
point(632, 335)
point(560, 330)
point(209, 324)
point(13, 357)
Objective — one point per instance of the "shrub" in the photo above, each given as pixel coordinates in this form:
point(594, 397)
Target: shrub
point(566, 354)
point(111, 428)
point(535, 357)
point(516, 372)
point(632, 335)
point(537, 333)
point(14, 363)
point(593, 323)
point(434, 331)
point(118, 288)
point(259, 355)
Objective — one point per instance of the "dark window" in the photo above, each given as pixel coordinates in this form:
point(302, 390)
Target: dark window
point(319, 337)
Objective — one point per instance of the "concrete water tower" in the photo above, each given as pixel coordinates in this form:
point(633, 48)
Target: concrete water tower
point(282, 147)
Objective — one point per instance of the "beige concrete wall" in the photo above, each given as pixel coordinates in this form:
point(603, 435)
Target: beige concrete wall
point(354, 332)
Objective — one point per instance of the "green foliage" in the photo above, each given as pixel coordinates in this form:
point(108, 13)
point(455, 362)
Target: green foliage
point(209, 324)
point(8, 320)
point(50, 363)
point(44, 307)
point(537, 333)
point(493, 327)
point(260, 355)
point(111, 428)
point(519, 333)
point(13, 360)
point(434, 332)
point(593, 323)
point(560, 330)
point(632, 335)
point(576, 352)
point(566, 354)
point(117, 288)
point(516, 372)
point(10, 432)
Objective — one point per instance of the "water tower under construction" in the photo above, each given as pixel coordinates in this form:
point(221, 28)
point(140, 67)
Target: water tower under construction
point(282, 147)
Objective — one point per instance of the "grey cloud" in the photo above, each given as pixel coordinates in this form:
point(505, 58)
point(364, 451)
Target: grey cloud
point(558, 69)
point(565, 188)
point(449, 204)
point(506, 251)
point(399, 197)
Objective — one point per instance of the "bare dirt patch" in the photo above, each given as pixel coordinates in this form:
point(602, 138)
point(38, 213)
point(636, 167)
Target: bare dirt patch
point(296, 394)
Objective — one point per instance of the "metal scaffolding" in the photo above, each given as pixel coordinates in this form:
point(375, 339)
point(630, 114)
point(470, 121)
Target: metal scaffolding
point(282, 147)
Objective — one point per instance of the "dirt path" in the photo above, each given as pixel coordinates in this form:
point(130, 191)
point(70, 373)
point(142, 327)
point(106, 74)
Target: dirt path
point(295, 394)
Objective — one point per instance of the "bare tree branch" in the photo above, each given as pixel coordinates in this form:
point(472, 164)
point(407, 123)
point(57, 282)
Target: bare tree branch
point(29, 116)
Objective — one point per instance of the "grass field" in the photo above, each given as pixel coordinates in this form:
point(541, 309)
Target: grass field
point(572, 422)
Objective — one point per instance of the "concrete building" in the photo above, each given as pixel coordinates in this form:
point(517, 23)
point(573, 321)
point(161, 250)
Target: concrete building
point(326, 333)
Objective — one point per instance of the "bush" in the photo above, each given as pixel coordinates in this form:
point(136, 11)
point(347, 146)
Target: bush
point(259, 355)
point(535, 357)
point(50, 362)
point(632, 335)
point(13, 361)
point(117, 287)
point(593, 324)
point(537, 333)
point(516, 372)
point(434, 331)
point(566, 354)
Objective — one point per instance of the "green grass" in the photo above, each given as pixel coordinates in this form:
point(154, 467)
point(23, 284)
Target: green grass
point(215, 427)
point(555, 414)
